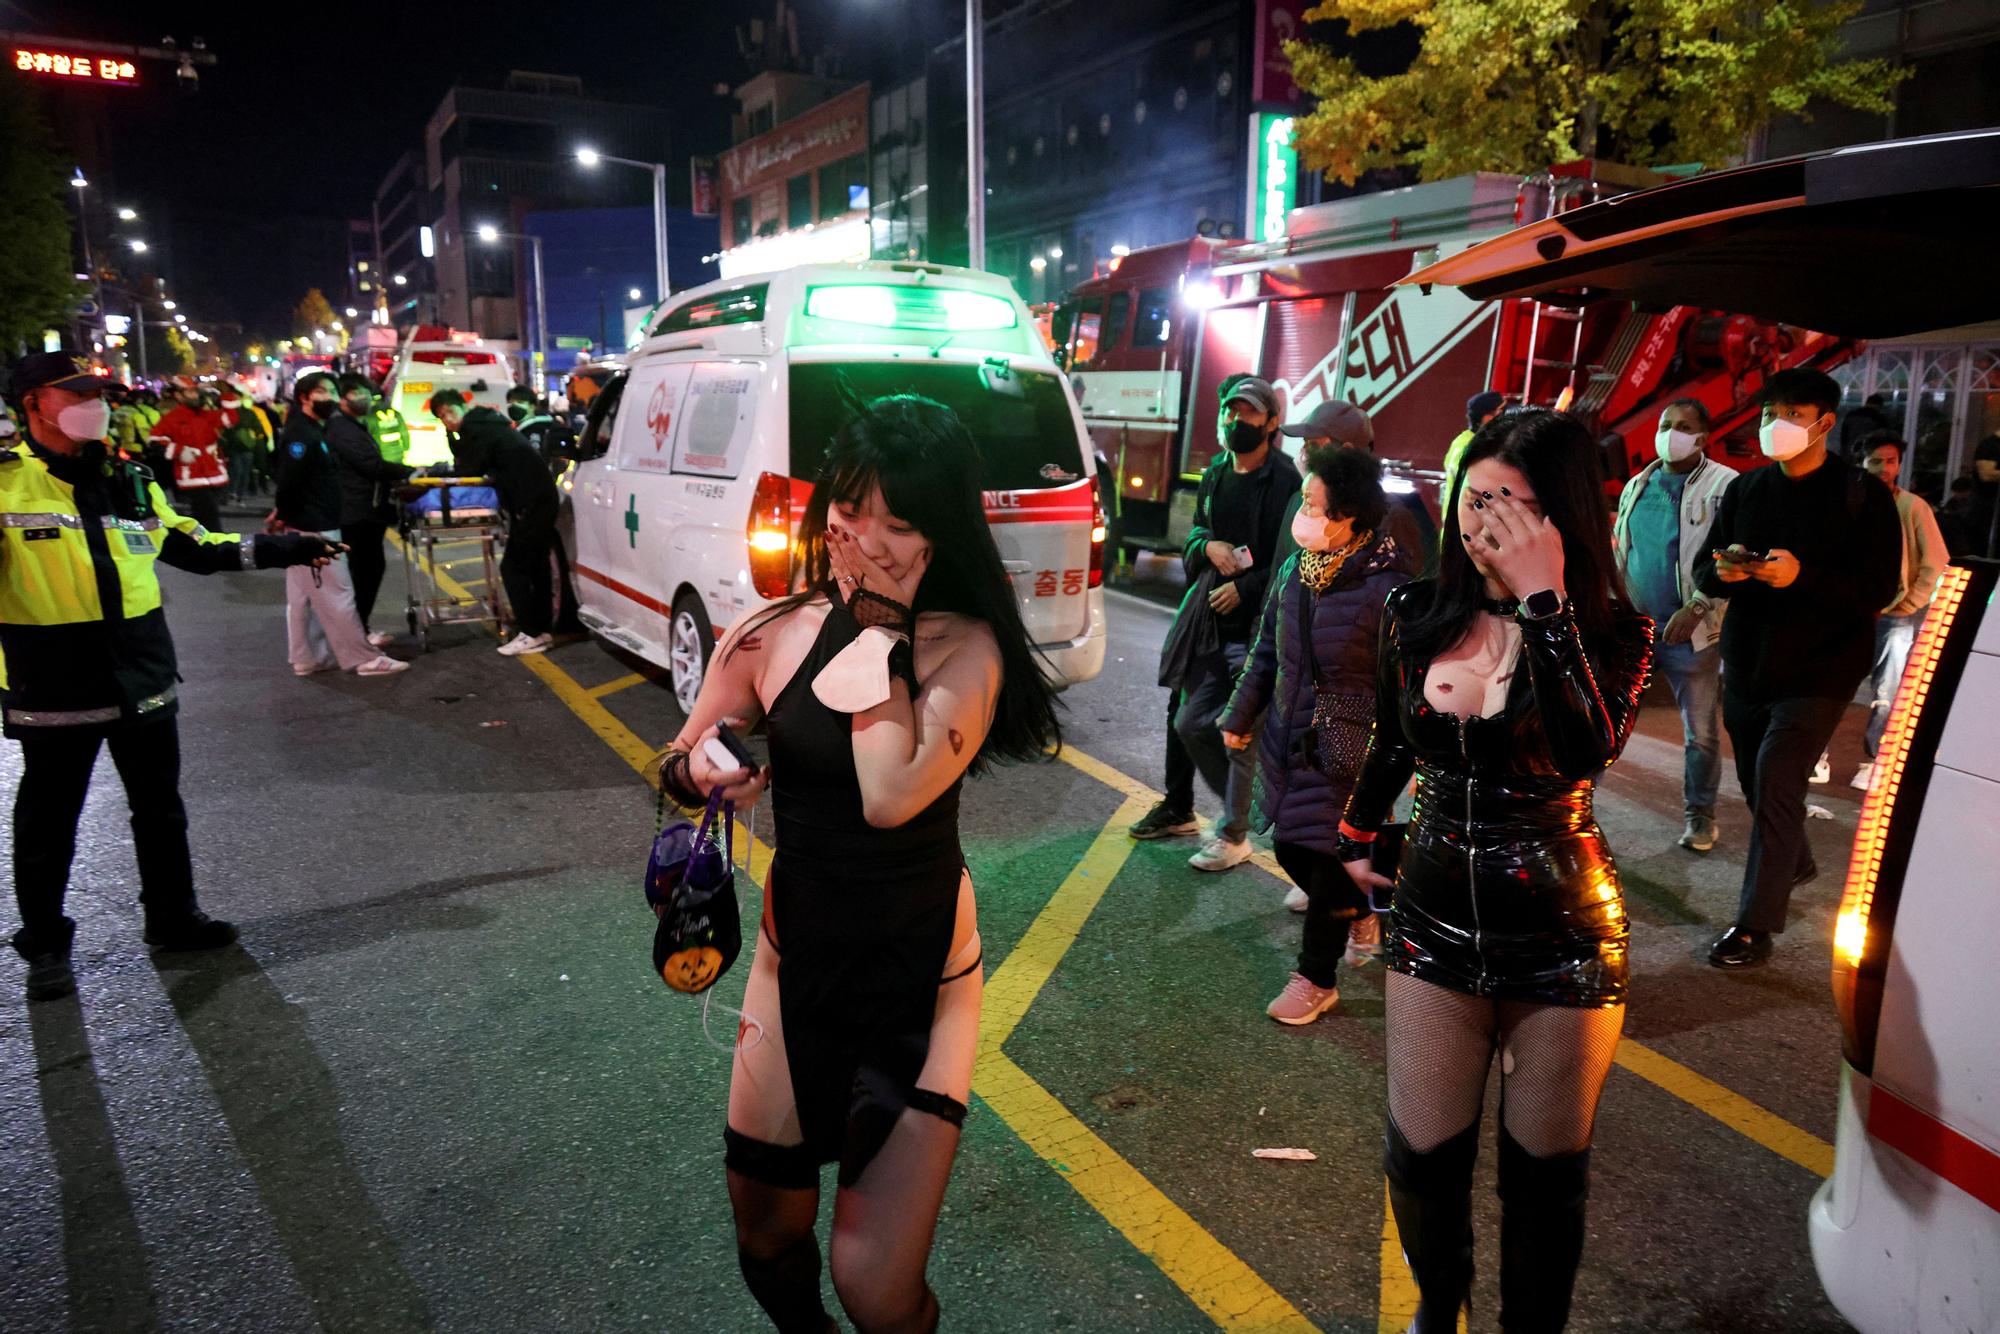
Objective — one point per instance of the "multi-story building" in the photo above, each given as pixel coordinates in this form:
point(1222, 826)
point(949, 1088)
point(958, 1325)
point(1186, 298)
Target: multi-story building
point(796, 192)
point(404, 244)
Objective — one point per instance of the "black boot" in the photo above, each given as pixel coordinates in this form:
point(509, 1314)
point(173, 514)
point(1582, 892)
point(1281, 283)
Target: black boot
point(1431, 1195)
point(47, 953)
point(787, 1286)
point(1541, 1235)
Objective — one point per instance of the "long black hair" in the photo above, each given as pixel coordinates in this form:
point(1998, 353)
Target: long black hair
point(920, 454)
point(1555, 453)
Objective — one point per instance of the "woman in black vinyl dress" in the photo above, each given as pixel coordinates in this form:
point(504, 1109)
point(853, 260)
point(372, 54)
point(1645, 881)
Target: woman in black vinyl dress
point(901, 667)
point(1508, 683)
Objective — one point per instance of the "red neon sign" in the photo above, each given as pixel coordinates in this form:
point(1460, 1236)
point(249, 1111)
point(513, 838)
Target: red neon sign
point(75, 66)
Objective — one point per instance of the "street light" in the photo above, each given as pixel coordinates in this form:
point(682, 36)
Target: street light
point(79, 180)
point(352, 312)
point(167, 305)
point(138, 247)
point(491, 235)
point(590, 157)
point(635, 294)
point(127, 214)
point(180, 319)
point(401, 281)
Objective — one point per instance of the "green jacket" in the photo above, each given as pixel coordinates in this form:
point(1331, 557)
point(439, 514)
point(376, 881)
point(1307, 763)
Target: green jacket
point(391, 432)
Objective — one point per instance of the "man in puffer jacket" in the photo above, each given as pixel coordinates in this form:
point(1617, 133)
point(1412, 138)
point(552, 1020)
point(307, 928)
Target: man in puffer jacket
point(1312, 673)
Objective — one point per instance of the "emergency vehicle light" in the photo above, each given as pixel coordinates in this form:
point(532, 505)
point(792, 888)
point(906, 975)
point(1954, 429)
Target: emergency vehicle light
point(911, 307)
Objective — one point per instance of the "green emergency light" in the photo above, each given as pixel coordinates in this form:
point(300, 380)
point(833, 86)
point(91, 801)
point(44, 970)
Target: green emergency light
point(884, 306)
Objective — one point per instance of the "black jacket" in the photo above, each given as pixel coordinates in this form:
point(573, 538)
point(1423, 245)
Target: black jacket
point(365, 475)
point(1273, 489)
point(308, 491)
point(487, 445)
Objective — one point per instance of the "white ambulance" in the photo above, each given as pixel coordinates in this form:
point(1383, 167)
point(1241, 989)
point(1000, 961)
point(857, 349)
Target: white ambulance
point(433, 358)
point(1873, 241)
point(695, 466)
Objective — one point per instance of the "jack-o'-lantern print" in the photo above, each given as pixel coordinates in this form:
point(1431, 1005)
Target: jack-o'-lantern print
point(691, 970)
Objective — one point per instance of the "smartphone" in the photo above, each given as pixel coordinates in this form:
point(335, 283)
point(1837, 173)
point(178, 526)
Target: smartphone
point(1747, 557)
point(1244, 558)
point(726, 751)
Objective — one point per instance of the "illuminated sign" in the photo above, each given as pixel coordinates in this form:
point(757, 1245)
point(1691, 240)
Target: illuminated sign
point(1274, 172)
point(77, 66)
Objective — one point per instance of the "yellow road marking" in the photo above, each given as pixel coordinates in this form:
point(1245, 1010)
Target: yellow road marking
point(1132, 787)
point(1732, 1109)
point(1398, 1304)
point(612, 687)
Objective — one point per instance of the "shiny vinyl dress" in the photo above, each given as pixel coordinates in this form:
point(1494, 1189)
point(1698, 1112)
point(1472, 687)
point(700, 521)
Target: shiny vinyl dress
point(1506, 888)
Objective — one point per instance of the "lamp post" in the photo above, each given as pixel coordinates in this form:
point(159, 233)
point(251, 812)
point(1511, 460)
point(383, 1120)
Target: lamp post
point(590, 157)
point(491, 234)
point(975, 135)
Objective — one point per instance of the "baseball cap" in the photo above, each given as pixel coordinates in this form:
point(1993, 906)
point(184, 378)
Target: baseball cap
point(55, 370)
point(1335, 419)
point(1257, 393)
point(1482, 403)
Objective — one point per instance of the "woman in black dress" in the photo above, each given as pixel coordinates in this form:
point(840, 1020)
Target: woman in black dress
point(1508, 683)
point(901, 667)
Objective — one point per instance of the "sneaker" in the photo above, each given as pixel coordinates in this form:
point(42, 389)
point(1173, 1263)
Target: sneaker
point(1364, 940)
point(49, 977)
point(1863, 776)
point(1301, 1002)
point(380, 639)
point(1163, 821)
point(191, 930)
point(313, 668)
point(1700, 834)
point(1823, 771)
point(1296, 900)
point(526, 643)
point(1219, 854)
point(382, 666)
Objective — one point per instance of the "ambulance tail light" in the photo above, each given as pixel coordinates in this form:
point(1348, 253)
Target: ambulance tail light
point(769, 533)
point(1863, 930)
point(1099, 530)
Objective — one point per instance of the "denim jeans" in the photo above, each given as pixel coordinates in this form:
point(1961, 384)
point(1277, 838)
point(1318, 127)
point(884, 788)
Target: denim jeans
point(1893, 637)
point(1696, 680)
point(1232, 773)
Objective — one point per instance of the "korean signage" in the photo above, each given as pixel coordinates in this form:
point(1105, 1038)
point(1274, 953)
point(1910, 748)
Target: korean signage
point(1278, 22)
point(703, 200)
point(75, 66)
point(1274, 171)
point(829, 132)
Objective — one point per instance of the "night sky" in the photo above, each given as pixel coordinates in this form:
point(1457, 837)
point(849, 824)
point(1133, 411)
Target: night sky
point(307, 107)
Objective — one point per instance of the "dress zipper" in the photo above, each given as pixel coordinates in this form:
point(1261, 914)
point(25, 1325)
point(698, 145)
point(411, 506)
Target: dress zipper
point(1471, 860)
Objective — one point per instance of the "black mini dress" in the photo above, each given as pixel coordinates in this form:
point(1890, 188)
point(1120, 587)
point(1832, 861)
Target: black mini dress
point(1506, 888)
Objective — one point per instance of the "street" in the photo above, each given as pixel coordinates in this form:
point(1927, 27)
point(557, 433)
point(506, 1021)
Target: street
point(437, 1086)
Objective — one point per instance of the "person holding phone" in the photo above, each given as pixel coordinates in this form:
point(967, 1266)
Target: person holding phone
point(1807, 550)
point(1508, 683)
point(901, 666)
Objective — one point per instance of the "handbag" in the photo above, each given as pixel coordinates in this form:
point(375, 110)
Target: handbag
point(1341, 720)
point(691, 888)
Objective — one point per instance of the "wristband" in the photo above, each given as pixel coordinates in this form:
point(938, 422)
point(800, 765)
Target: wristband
point(1350, 832)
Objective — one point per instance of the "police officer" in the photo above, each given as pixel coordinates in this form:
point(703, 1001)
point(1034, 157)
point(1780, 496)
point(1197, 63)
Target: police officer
point(89, 662)
point(391, 431)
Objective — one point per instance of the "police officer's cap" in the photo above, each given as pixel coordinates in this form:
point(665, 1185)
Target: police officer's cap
point(56, 370)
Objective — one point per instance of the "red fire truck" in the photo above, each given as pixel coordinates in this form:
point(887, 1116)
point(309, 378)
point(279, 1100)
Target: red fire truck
point(1149, 342)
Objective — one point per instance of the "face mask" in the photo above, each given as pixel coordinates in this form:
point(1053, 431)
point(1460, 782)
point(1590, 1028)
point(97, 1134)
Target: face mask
point(1676, 445)
point(323, 408)
point(88, 420)
point(517, 411)
point(1309, 531)
point(1245, 438)
point(360, 405)
point(6, 428)
point(1781, 439)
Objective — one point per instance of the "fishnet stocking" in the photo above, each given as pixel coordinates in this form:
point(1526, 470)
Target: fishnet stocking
point(1553, 1063)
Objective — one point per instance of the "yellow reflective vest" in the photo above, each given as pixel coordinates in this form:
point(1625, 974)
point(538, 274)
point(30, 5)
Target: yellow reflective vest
point(391, 432)
point(83, 634)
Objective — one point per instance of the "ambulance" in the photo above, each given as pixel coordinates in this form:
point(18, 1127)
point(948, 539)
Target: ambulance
point(432, 358)
point(696, 463)
point(1876, 240)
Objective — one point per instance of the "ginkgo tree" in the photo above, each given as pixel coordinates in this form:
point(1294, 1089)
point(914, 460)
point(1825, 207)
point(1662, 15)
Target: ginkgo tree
point(1517, 85)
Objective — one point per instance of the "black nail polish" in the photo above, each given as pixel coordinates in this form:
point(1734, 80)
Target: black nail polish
point(1487, 494)
point(1479, 504)
point(1465, 538)
point(1505, 492)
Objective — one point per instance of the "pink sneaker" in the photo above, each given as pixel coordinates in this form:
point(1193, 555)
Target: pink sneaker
point(1364, 940)
point(1301, 1002)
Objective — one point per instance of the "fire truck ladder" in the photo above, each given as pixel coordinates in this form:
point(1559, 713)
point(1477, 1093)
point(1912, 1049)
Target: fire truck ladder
point(1560, 194)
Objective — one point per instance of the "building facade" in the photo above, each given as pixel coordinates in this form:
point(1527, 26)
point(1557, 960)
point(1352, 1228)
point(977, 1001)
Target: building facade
point(798, 192)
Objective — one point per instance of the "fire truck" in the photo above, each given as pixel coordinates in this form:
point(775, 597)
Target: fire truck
point(1149, 342)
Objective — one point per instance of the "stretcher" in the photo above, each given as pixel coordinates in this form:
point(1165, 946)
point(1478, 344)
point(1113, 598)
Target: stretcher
point(452, 512)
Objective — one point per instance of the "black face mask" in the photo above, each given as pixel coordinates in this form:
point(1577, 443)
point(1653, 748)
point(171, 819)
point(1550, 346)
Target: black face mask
point(518, 411)
point(323, 408)
point(360, 406)
point(1245, 438)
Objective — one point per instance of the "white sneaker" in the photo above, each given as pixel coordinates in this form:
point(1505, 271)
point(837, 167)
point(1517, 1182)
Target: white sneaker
point(1301, 1002)
point(526, 643)
point(1863, 776)
point(1823, 771)
point(313, 669)
point(1296, 900)
point(382, 666)
point(1219, 854)
point(1364, 940)
point(380, 639)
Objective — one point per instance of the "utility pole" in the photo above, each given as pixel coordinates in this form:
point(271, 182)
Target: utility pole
point(975, 135)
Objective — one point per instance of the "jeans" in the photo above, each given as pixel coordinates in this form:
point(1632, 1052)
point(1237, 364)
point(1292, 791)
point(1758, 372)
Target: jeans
point(55, 778)
point(1696, 680)
point(366, 563)
point(1777, 743)
point(1232, 773)
point(1179, 795)
point(1332, 903)
point(1893, 637)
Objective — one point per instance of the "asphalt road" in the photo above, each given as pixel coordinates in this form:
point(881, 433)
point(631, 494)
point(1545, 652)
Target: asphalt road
point(438, 1087)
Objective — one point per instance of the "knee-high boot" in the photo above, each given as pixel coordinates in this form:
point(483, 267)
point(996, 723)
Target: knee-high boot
point(786, 1285)
point(1541, 1235)
point(1431, 1195)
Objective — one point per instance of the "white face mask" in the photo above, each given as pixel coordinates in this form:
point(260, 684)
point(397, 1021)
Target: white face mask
point(1675, 446)
point(1781, 439)
point(88, 420)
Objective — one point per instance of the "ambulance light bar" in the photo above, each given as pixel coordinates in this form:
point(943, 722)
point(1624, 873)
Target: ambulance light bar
point(885, 306)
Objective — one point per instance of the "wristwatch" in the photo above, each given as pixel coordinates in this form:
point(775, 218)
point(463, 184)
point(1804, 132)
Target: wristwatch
point(1541, 605)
